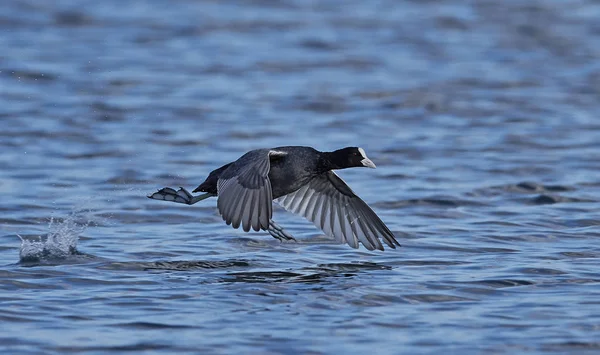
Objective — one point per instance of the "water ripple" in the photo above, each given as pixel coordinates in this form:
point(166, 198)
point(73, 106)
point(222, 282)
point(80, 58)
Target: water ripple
point(481, 118)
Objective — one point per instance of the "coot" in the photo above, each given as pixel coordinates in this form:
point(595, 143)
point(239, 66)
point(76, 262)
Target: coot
point(299, 179)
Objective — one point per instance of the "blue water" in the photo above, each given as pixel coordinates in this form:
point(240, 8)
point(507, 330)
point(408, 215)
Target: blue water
point(482, 117)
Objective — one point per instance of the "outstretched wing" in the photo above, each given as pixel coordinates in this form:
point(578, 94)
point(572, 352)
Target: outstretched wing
point(244, 191)
point(332, 206)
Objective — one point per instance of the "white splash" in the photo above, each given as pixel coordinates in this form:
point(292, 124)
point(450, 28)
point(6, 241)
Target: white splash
point(59, 243)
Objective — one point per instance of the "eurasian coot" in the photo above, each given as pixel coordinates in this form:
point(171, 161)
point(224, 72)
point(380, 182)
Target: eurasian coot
point(299, 179)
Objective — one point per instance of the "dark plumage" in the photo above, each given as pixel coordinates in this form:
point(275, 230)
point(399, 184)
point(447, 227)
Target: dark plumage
point(301, 180)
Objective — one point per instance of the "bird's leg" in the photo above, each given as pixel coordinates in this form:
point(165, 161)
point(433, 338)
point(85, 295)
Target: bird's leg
point(180, 196)
point(277, 232)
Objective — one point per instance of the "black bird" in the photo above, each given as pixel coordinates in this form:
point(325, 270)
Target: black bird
point(299, 179)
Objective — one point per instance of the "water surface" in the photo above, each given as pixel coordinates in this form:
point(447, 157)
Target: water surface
point(481, 116)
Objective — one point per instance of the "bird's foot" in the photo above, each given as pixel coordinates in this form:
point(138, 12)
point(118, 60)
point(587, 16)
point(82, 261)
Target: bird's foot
point(277, 232)
point(180, 196)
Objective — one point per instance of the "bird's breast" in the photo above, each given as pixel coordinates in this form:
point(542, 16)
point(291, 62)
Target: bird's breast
point(287, 180)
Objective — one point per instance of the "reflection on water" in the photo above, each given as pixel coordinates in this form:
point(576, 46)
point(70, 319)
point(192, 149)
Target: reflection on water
point(481, 118)
point(318, 274)
point(193, 265)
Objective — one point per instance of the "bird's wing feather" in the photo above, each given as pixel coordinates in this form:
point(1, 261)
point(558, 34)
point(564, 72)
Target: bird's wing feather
point(244, 191)
point(332, 206)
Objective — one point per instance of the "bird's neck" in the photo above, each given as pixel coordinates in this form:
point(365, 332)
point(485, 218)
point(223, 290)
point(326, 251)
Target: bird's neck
point(327, 161)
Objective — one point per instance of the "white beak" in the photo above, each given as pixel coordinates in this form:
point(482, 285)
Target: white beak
point(368, 163)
